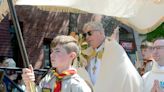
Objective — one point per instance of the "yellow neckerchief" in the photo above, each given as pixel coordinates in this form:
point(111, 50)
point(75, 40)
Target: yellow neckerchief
point(63, 74)
point(59, 77)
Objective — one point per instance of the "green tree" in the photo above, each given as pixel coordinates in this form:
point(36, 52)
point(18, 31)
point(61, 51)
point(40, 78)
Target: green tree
point(158, 32)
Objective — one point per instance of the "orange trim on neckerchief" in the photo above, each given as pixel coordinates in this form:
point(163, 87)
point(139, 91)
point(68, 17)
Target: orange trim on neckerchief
point(59, 78)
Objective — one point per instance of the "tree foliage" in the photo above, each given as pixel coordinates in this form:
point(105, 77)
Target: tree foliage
point(158, 32)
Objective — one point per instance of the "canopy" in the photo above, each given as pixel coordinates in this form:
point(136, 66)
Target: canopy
point(118, 8)
point(3, 9)
point(148, 18)
point(142, 16)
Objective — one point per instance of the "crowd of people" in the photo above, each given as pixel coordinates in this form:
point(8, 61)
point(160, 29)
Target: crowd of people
point(107, 66)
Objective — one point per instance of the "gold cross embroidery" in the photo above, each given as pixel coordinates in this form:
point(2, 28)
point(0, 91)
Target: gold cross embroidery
point(97, 55)
point(94, 69)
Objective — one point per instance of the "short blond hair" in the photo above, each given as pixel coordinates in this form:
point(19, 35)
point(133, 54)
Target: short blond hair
point(68, 42)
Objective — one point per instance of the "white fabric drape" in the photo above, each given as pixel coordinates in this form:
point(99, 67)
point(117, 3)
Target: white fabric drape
point(3, 9)
point(149, 17)
point(142, 15)
point(118, 8)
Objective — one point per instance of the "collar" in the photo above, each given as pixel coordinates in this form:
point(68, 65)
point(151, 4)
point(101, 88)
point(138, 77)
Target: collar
point(101, 47)
point(157, 68)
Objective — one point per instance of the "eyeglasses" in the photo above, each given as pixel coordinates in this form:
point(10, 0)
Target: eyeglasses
point(158, 47)
point(89, 33)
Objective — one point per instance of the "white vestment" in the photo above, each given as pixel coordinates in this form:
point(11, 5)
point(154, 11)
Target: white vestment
point(117, 73)
point(157, 73)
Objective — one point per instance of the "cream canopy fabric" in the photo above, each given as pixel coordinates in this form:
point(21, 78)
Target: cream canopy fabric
point(118, 8)
point(3, 9)
point(142, 15)
point(148, 18)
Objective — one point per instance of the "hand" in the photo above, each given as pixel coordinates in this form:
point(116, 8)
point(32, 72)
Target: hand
point(156, 87)
point(115, 34)
point(28, 76)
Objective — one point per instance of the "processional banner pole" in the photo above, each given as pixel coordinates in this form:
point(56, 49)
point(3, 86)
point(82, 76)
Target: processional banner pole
point(20, 39)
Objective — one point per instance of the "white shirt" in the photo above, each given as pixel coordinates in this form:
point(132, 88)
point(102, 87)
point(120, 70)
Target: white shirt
point(94, 63)
point(73, 83)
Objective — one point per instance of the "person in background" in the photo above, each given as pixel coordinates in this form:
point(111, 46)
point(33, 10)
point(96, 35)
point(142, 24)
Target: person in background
point(10, 62)
point(108, 65)
point(6, 62)
point(154, 79)
point(146, 51)
point(62, 77)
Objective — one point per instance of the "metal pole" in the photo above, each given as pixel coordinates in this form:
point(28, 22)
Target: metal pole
point(18, 33)
point(20, 40)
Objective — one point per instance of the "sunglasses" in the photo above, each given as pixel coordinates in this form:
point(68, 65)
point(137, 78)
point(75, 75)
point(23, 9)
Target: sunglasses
point(89, 33)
